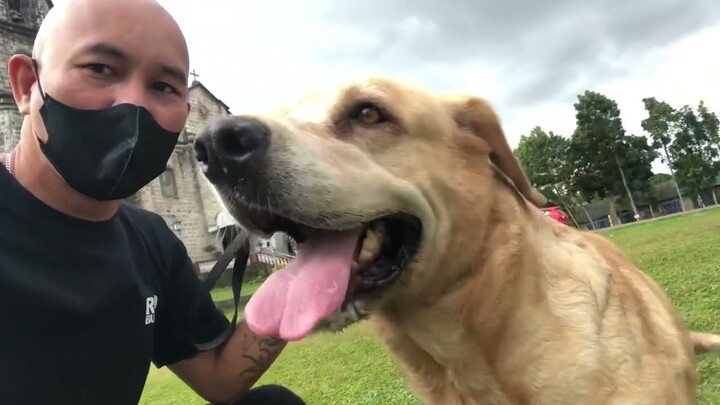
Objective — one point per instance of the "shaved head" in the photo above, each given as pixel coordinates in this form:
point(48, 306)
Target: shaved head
point(93, 54)
point(68, 19)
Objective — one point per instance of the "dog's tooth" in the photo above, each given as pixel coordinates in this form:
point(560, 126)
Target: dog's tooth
point(365, 256)
point(372, 241)
point(370, 247)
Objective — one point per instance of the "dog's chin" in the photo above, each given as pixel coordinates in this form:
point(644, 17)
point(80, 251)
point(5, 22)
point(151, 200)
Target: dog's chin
point(387, 246)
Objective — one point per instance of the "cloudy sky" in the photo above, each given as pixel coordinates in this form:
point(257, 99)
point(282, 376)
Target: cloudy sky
point(530, 60)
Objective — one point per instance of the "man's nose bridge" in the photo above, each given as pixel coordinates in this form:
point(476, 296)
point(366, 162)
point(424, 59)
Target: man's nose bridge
point(134, 91)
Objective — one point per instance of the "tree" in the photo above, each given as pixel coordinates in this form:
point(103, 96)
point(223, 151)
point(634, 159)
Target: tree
point(659, 178)
point(639, 156)
point(543, 157)
point(603, 155)
point(694, 152)
point(662, 125)
point(710, 124)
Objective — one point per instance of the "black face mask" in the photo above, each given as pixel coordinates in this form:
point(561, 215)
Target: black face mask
point(106, 154)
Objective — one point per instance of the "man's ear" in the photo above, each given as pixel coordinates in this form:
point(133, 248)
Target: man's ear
point(22, 78)
point(477, 116)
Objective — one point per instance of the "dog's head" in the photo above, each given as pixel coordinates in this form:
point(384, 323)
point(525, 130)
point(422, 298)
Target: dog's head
point(377, 181)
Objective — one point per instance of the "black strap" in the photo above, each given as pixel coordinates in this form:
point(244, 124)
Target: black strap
point(239, 249)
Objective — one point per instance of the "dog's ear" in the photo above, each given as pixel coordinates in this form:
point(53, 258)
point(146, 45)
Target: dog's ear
point(477, 115)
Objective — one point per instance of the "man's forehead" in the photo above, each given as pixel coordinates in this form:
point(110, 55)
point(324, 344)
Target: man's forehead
point(116, 28)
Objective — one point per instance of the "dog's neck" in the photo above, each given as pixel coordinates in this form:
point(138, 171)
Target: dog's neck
point(465, 316)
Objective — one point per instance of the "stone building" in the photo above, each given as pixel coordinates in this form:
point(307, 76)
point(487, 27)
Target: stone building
point(181, 195)
point(185, 199)
point(19, 22)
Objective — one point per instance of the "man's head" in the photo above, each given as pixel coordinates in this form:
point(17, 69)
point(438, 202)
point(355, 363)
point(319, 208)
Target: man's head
point(96, 54)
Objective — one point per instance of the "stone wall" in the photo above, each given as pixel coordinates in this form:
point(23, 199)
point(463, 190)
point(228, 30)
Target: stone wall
point(203, 108)
point(10, 123)
point(18, 27)
point(182, 195)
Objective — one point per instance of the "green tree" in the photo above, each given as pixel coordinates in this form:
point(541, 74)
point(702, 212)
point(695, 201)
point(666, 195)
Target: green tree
point(710, 124)
point(607, 161)
point(662, 125)
point(638, 159)
point(659, 178)
point(543, 157)
point(694, 151)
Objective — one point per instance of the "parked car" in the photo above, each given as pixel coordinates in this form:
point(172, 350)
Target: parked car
point(557, 214)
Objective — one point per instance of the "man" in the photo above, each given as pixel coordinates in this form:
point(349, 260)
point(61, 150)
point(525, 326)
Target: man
point(92, 290)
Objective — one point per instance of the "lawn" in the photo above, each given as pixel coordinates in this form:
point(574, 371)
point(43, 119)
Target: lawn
point(682, 253)
point(225, 293)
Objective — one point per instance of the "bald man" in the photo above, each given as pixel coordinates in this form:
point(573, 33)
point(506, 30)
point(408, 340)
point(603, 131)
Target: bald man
point(91, 289)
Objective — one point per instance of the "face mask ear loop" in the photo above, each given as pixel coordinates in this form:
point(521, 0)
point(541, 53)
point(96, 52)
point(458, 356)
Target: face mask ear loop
point(42, 92)
point(37, 78)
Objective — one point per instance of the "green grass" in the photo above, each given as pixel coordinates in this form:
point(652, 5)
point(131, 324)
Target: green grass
point(225, 293)
point(681, 253)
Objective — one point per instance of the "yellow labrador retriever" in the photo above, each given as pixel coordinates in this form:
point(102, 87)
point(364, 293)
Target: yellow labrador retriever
point(412, 209)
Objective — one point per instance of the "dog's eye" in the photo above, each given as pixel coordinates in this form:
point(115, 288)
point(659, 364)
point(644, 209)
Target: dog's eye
point(368, 114)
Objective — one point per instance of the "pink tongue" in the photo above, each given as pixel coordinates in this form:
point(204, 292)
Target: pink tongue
point(292, 300)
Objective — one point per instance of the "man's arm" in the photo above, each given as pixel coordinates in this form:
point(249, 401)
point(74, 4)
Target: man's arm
point(226, 374)
point(187, 317)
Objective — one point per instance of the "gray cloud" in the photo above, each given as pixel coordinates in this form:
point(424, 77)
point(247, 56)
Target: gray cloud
point(545, 50)
point(530, 58)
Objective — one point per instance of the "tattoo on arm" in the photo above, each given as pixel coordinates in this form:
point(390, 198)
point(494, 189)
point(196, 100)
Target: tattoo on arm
point(259, 353)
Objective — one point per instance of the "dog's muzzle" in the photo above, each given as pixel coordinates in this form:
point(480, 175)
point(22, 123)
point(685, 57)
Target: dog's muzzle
point(232, 148)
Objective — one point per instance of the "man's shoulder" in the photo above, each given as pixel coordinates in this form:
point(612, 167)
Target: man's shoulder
point(148, 220)
point(152, 228)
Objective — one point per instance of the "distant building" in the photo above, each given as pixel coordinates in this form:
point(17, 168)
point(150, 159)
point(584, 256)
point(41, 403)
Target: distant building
point(603, 214)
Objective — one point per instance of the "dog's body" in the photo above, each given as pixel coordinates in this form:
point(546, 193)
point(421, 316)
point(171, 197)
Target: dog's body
point(501, 305)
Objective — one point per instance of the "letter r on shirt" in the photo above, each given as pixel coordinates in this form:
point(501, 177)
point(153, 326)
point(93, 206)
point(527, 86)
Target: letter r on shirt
point(150, 304)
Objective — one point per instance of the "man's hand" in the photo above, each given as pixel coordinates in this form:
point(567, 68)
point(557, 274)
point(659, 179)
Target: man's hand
point(225, 374)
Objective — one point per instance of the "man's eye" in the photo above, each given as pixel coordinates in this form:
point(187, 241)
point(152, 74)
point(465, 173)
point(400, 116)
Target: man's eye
point(164, 87)
point(99, 68)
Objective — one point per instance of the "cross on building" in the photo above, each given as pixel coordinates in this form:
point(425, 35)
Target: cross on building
point(194, 75)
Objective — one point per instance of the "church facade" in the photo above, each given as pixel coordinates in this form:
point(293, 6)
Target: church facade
point(181, 195)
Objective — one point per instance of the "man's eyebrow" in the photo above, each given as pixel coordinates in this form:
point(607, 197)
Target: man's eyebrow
point(175, 72)
point(106, 49)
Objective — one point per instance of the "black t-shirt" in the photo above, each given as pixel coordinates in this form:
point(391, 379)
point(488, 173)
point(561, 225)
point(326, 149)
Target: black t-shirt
point(86, 306)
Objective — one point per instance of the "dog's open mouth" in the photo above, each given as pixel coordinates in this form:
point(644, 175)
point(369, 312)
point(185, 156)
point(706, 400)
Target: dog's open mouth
point(331, 267)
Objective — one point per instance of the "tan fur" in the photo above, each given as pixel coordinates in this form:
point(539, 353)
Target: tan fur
point(503, 305)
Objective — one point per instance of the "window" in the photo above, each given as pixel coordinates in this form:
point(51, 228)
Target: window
point(168, 188)
point(17, 9)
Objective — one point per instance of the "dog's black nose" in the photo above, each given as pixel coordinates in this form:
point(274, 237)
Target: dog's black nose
point(228, 147)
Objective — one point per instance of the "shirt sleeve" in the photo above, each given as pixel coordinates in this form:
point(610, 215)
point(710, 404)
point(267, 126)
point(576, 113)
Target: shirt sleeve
point(186, 315)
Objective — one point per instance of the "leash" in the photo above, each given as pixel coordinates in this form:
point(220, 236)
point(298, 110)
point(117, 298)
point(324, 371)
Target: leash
point(238, 249)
